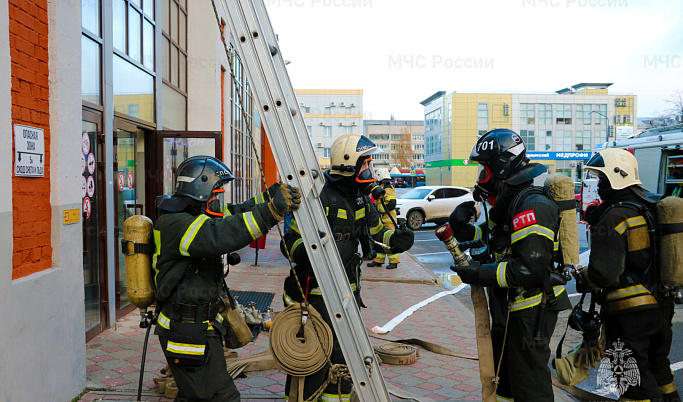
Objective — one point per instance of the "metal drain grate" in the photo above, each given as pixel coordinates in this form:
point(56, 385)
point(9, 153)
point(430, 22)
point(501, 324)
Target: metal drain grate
point(262, 299)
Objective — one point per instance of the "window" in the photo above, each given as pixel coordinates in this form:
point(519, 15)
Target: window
point(328, 131)
point(600, 136)
point(481, 132)
point(455, 192)
point(563, 143)
point(483, 113)
point(418, 156)
point(307, 109)
point(326, 153)
point(529, 139)
point(564, 114)
point(328, 110)
point(418, 147)
point(418, 137)
point(598, 119)
point(440, 193)
point(545, 113)
point(348, 129)
point(545, 140)
point(583, 115)
point(583, 140)
point(174, 45)
point(396, 137)
point(379, 136)
point(527, 113)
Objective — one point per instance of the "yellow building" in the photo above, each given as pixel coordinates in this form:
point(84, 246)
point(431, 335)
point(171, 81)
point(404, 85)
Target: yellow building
point(559, 129)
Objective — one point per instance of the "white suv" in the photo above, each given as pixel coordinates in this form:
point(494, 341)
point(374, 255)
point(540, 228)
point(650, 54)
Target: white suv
point(431, 204)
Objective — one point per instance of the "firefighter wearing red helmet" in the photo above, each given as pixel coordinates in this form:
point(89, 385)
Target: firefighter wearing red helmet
point(353, 219)
point(194, 229)
point(524, 295)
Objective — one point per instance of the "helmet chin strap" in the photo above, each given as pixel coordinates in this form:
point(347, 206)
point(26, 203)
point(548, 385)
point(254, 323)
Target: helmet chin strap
point(214, 199)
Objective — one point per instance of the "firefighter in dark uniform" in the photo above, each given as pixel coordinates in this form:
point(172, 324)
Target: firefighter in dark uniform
point(638, 312)
point(518, 265)
point(352, 219)
point(190, 236)
point(386, 206)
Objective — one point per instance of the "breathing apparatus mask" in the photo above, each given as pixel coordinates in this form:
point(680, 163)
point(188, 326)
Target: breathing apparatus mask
point(215, 205)
point(485, 189)
point(366, 180)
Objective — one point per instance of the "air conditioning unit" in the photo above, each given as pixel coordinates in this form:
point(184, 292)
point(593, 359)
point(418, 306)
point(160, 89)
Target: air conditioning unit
point(333, 104)
point(628, 119)
point(354, 123)
point(353, 105)
point(341, 124)
point(618, 119)
point(321, 145)
point(322, 123)
point(506, 110)
point(342, 104)
point(302, 104)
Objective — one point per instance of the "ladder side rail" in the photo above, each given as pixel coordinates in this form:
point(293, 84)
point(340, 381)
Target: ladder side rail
point(283, 132)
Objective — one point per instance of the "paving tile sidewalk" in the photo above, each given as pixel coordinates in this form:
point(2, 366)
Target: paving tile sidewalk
point(114, 355)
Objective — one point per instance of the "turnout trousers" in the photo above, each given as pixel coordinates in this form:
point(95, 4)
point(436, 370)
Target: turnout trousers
point(646, 336)
point(313, 382)
point(209, 382)
point(524, 372)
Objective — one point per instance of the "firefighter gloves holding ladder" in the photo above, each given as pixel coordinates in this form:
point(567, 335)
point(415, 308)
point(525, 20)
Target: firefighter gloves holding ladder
point(284, 198)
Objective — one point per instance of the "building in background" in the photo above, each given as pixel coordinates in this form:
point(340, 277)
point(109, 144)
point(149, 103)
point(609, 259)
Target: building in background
point(149, 84)
point(401, 140)
point(330, 113)
point(559, 129)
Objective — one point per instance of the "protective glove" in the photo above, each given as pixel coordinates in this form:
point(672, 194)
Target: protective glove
point(462, 215)
point(402, 240)
point(380, 207)
point(272, 190)
point(468, 274)
point(592, 350)
point(285, 199)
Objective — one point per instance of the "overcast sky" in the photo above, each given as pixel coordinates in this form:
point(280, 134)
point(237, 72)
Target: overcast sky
point(402, 51)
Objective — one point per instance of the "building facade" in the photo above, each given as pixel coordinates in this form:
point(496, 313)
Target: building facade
point(402, 143)
point(138, 87)
point(559, 129)
point(329, 114)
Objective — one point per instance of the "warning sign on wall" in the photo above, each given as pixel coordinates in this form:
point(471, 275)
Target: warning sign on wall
point(29, 155)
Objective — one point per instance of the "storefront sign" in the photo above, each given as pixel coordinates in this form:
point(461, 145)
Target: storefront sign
point(558, 155)
point(29, 155)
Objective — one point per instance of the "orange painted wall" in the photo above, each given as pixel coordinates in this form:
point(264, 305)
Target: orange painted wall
point(267, 159)
point(31, 209)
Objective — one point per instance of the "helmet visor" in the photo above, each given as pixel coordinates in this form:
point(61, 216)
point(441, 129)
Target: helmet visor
point(366, 172)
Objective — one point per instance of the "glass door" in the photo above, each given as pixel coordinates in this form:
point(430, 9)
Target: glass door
point(174, 147)
point(129, 186)
point(94, 234)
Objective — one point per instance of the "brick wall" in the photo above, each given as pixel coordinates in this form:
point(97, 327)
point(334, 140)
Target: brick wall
point(31, 209)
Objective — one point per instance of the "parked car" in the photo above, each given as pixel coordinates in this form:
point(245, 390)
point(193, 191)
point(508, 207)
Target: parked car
point(431, 204)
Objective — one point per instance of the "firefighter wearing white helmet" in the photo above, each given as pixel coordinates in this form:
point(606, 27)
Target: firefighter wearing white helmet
point(638, 310)
point(353, 221)
point(386, 206)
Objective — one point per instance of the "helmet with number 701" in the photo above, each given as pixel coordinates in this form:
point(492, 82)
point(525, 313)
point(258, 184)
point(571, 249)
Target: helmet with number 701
point(502, 153)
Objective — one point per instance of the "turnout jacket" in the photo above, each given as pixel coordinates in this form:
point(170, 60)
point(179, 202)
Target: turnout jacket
point(523, 246)
point(390, 203)
point(189, 249)
point(348, 212)
point(620, 254)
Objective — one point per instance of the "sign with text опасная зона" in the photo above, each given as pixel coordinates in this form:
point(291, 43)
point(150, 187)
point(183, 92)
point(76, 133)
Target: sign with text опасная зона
point(29, 151)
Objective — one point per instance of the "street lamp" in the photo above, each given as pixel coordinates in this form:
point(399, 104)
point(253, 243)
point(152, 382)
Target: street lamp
point(606, 120)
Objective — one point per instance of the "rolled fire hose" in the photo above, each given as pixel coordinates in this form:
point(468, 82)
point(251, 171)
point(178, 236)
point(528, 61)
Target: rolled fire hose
point(300, 356)
point(487, 370)
point(396, 353)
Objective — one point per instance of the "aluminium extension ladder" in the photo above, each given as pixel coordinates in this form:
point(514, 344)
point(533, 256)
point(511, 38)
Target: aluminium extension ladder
point(258, 49)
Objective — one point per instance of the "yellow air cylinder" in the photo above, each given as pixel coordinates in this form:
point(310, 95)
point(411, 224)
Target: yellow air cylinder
point(670, 219)
point(562, 189)
point(136, 230)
